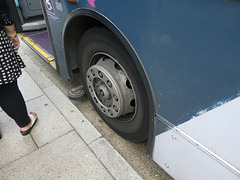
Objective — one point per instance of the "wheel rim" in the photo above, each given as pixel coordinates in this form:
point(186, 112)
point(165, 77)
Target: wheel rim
point(110, 88)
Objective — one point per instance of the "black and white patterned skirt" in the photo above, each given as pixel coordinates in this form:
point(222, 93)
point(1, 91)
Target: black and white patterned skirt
point(10, 62)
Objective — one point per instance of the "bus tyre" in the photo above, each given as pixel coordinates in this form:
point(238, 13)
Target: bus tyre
point(113, 84)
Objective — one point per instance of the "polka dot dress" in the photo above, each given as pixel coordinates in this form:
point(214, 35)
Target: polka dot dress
point(10, 61)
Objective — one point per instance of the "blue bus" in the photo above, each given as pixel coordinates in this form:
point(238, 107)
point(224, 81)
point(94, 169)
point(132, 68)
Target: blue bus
point(163, 70)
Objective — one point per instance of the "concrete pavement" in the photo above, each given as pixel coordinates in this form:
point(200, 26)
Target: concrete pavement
point(62, 145)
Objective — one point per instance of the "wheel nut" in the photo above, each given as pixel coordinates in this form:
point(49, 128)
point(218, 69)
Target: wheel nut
point(92, 72)
point(100, 74)
point(89, 78)
point(102, 108)
point(109, 84)
point(90, 88)
point(115, 108)
point(110, 112)
point(115, 97)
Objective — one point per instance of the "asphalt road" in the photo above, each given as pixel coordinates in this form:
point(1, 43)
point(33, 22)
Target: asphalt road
point(134, 153)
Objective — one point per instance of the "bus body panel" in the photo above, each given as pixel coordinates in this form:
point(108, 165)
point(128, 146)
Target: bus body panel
point(189, 50)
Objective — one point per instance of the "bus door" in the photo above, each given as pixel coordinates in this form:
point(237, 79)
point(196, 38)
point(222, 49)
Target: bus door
point(30, 8)
point(27, 15)
point(31, 27)
point(55, 16)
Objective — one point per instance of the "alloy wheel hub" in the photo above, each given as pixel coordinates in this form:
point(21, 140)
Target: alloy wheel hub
point(110, 88)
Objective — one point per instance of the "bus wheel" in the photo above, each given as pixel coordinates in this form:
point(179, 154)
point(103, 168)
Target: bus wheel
point(113, 84)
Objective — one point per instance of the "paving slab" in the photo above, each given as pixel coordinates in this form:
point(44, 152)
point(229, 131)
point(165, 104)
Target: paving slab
point(81, 125)
point(51, 123)
point(34, 71)
point(66, 158)
point(13, 145)
point(28, 87)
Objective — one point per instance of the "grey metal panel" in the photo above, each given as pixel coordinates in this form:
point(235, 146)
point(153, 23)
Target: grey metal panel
point(205, 147)
point(218, 130)
point(33, 5)
point(185, 161)
point(30, 8)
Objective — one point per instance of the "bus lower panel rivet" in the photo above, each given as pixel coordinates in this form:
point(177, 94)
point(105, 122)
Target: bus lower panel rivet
point(174, 137)
point(167, 166)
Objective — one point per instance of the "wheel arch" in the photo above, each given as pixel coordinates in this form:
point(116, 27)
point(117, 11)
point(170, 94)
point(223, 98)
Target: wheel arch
point(72, 33)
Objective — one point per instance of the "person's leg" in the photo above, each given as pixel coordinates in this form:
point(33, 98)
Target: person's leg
point(13, 104)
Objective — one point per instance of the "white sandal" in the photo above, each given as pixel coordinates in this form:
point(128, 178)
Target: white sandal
point(33, 120)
